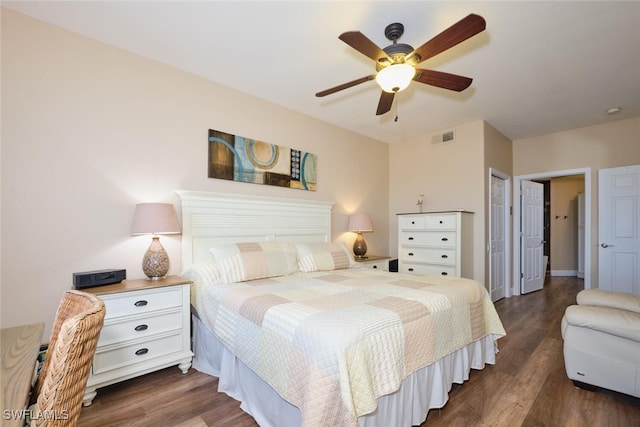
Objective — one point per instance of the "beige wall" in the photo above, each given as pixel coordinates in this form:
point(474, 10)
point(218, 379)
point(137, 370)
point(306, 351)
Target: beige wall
point(606, 145)
point(449, 175)
point(498, 155)
point(564, 224)
point(89, 130)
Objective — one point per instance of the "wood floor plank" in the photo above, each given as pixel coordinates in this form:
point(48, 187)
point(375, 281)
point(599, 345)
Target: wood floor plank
point(528, 385)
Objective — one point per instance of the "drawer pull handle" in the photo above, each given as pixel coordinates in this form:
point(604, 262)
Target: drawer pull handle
point(410, 238)
point(444, 273)
point(441, 222)
point(413, 222)
point(444, 239)
point(140, 303)
point(140, 328)
point(445, 256)
point(410, 269)
point(410, 253)
point(375, 266)
point(142, 351)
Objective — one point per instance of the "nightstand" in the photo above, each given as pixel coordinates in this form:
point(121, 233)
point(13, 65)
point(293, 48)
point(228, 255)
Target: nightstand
point(146, 328)
point(375, 262)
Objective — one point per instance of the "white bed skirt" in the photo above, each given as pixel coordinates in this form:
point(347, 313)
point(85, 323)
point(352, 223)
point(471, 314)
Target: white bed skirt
point(425, 389)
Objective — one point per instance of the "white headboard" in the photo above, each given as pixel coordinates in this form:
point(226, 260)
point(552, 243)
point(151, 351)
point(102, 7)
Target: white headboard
point(210, 219)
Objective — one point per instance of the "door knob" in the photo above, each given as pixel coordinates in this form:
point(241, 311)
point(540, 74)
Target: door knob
point(604, 245)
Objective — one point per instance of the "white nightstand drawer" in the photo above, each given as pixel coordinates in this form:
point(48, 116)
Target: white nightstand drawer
point(118, 330)
point(377, 265)
point(428, 269)
point(430, 255)
point(114, 358)
point(130, 303)
point(429, 238)
point(374, 262)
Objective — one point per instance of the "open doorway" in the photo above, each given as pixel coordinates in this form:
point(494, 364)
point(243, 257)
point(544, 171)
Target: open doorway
point(563, 209)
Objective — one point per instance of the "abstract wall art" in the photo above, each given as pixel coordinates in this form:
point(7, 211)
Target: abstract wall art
point(237, 158)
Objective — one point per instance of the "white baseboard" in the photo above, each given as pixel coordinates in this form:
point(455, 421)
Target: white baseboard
point(564, 272)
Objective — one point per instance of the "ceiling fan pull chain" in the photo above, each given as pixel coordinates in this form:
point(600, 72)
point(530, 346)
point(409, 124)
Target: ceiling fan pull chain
point(395, 101)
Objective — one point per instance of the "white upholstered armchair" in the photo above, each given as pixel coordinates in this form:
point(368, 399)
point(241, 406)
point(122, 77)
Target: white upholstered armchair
point(602, 341)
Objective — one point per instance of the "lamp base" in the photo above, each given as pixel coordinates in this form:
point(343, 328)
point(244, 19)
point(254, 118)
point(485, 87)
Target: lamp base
point(155, 263)
point(359, 247)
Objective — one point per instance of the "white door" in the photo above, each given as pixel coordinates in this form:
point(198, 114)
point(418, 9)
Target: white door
point(532, 238)
point(497, 239)
point(619, 229)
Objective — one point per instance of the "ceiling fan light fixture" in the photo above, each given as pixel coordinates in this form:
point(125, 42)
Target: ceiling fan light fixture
point(395, 78)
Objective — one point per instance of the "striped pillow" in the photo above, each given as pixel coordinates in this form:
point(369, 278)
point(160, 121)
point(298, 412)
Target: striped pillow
point(255, 260)
point(323, 256)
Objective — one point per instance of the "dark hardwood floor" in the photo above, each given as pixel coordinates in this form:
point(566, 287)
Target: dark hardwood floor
point(527, 386)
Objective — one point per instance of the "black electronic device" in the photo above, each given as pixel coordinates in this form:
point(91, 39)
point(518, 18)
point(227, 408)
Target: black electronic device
point(89, 279)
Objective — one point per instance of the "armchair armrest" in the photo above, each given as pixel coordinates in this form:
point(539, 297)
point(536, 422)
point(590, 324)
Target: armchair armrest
point(598, 297)
point(622, 323)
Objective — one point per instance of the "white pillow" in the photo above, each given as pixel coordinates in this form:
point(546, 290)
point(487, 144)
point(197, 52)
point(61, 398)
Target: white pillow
point(255, 260)
point(323, 256)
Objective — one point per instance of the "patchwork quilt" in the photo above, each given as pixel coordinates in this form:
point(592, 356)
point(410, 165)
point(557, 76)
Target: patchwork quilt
point(332, 342)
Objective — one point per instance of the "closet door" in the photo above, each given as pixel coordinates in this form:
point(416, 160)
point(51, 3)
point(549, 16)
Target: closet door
point(619, 229)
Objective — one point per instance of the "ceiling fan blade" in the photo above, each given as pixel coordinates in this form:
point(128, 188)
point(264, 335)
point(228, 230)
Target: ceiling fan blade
point(385, 103)
point(362, 44)
point(345, 86)
point(443, 80)
point(460, 31)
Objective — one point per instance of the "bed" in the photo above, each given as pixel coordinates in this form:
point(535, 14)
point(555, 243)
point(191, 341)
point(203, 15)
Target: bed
point(301, 336)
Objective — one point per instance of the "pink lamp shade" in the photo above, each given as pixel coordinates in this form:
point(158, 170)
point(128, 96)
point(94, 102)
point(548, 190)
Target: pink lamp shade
point(359, 223)
point(155, 218)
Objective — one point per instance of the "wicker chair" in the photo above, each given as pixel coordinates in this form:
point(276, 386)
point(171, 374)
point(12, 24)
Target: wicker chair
point(60, 387)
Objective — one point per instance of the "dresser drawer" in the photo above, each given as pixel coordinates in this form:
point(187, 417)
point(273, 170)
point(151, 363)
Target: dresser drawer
point(429, 222)
point(445, 239)
point(110, 358)
point(429, 270)
point(411, 222)
point(429, 255)
point(131, 303)
point(140, 326)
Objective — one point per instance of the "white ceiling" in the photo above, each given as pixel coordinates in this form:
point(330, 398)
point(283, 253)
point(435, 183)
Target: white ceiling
point(539, 67)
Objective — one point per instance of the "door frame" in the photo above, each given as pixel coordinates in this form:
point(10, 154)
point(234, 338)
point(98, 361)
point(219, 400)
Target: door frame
point(508, 291)
point(586, 172)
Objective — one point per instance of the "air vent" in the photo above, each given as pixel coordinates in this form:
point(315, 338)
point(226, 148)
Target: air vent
point(443, 137)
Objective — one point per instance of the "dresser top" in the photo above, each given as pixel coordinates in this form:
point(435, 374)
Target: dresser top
point(137, 285)
point(435, 212)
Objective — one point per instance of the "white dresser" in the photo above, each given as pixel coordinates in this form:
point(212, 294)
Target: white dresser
point(146, 328)
point(436, 243)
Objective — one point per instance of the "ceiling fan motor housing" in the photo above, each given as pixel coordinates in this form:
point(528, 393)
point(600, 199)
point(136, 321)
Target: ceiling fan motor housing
point(397, 51)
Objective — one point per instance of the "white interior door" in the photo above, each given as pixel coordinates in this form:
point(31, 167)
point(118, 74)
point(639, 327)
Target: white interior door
point(532, 238)
point(497, 245)
point(618, 229)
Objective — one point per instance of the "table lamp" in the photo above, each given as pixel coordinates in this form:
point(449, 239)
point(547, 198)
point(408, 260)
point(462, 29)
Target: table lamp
point(155, 219)
point(359, 223)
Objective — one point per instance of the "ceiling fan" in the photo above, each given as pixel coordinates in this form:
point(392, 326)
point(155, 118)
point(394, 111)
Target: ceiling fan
point(396, 63)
